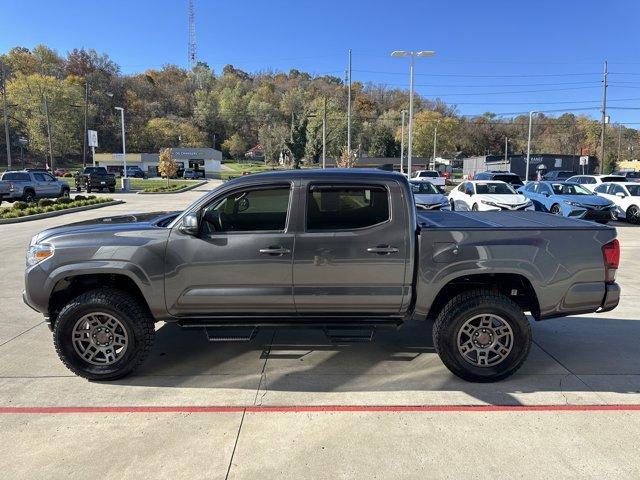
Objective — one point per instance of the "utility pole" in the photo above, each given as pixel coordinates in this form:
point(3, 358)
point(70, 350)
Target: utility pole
point(409, 147)
point(5, 115)
point(402, 144)
point(604, 116)
point(86, 109)
point(349, 107)
point(526, 174)
point(435, 143)
point(506, 148)
point(619, 142)
point(324, 134)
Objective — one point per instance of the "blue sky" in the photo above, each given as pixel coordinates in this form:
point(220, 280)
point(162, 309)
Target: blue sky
point(501, 56)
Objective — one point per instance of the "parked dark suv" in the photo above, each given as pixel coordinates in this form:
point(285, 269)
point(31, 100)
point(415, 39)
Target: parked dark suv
point(507, 177)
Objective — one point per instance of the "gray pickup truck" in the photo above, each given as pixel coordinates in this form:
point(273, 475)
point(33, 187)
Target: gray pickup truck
point(30, 185)
point(341, 250)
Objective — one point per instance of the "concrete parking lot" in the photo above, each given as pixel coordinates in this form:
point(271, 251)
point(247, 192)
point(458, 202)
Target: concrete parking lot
point(151, 425)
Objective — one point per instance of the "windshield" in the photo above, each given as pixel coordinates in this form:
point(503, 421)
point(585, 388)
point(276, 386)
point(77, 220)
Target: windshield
point(494, 188)
point(423, 188)
point(634, 190)
point(569, 189)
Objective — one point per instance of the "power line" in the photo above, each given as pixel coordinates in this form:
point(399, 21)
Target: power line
point(461, 75)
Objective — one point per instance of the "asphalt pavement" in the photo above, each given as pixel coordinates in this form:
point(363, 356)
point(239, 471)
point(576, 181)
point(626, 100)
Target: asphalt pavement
point(385, 409)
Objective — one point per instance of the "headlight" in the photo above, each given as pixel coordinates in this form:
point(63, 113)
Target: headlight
point(38, 253)
point(486, 202)
point(573, 204)
point(528, 204)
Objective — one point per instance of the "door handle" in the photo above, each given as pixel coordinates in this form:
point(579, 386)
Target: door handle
point(383, 250)
point(275, 250)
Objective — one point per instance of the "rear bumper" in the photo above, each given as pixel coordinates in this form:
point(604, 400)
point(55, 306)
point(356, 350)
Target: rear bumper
point(611, 297)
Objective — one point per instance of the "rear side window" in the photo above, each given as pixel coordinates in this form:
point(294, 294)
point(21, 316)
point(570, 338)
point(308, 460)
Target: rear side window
point(614, 179)
point(346, 208)
point(512, 179)
point(16, 177)
point(39, 177)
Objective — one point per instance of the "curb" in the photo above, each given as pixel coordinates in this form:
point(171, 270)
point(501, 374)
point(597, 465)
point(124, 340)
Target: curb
point(39, 216)
point(184, 189)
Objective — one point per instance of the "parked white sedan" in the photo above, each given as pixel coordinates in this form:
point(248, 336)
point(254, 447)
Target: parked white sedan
point(487, 196)
point(590, 182)
point(626, 198)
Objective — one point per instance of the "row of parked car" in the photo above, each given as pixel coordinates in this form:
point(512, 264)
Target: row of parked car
point(589, 197)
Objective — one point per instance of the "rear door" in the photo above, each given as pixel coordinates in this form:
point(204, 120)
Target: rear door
point(42, 186)
point(352, 249)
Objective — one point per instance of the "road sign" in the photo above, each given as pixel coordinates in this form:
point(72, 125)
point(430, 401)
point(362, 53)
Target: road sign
point(584, 160)
point(93, 138)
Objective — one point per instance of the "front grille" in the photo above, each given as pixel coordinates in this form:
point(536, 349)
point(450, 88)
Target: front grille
point(512, 208)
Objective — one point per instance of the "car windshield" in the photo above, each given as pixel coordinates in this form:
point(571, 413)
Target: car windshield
point(634, 190)
point(569, 189)
point(512, 179)
point(423, 188)
point(494, 188)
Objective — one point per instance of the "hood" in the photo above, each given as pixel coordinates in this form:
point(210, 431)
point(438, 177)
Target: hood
point(116, 223)
point(505, 199)
point(430, 198)
point(586, 200)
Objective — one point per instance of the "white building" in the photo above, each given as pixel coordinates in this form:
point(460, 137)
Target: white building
point(207, 159)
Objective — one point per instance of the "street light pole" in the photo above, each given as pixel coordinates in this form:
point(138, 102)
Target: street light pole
point(526, 175)
point(402, 144)
point(349, 109)
point(124, 148)
point(413, 55)
point(324, 134)
point(435, 143)
point(86, 108)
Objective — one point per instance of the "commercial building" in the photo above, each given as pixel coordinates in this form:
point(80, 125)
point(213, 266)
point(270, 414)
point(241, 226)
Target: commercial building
point(207, 159)
point(538, 163)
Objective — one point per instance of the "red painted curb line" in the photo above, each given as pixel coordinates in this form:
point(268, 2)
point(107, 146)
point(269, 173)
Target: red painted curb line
point(322, 408)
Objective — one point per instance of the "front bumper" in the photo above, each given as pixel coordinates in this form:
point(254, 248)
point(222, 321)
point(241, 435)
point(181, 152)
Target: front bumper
point(589, 214)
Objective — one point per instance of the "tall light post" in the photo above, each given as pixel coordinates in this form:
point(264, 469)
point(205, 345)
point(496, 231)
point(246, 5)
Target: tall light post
point(526, 174)
point(124, 151)
point(402, 144)
point(413, 55)
point(435, 143)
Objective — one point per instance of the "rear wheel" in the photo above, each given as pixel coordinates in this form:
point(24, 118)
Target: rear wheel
point(103, 334)
point(555, 209)
point(88, 189)
point(65, 193)
point(482, 336)
point(633, 215)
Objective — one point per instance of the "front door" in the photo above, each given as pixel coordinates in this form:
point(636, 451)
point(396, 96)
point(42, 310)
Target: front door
point(241, 261)
point(351, 250)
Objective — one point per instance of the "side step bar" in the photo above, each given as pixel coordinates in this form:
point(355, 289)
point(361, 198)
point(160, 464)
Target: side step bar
point(230, 334)
point(349, 335)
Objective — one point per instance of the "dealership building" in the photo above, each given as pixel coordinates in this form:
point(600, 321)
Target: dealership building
point(538, 163)
point(207, 159)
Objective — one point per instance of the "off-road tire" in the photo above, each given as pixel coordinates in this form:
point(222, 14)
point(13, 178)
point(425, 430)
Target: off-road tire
point(130, 311)
point(29, 196)
point(112, 189)
point(632, 215)
point(64, 193)
point(463, 307)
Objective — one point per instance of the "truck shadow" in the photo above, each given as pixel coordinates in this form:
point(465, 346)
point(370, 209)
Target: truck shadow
point(570, 358)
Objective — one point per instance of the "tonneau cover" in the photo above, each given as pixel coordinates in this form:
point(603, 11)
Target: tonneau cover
point(512, 220)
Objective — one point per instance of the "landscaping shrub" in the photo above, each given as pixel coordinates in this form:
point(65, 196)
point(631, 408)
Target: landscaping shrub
point(22, 209)
point(80, 197)
point(63, 200)
point(20, 205)
point(45, 202)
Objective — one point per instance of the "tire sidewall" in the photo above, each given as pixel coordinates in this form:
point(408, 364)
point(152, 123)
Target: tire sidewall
point(63, 338)
point(448, 337)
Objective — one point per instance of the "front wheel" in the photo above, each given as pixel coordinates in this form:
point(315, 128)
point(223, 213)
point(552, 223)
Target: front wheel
point(103, 334)
point(474, 208)
point(633, 214)
point(482, 336)
point(555, 209)
point(453, 205)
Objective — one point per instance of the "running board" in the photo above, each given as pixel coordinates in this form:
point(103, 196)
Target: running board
point(349, 335)
point(230, 334)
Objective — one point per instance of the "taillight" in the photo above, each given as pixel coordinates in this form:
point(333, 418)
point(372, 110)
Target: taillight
point(611, 255)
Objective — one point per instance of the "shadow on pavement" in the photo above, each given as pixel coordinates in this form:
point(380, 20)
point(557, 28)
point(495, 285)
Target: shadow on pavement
point(305, 363)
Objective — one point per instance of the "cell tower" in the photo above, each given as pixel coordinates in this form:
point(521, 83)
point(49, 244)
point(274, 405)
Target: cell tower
point(192, 36)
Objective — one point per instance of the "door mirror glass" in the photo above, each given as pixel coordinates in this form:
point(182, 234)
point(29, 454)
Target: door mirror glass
point(190, 224)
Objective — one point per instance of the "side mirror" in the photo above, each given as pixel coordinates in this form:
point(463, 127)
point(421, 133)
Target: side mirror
point(620, 194)
point(190, 224)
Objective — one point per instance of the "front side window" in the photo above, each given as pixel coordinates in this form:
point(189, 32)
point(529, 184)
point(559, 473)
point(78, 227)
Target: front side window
point(248, 211)
point(346, 208)
point(39, 177)
point(468, 189)
point(570, 189)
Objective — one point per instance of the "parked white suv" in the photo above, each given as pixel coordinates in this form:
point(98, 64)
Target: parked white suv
point(432, 176)
point(590, 182)
point(487, 196)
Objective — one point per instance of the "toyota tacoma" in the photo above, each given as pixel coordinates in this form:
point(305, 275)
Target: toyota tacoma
point(342, 250)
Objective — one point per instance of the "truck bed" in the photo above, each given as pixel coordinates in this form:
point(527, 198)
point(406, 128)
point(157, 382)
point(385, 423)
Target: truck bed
point(509, 220)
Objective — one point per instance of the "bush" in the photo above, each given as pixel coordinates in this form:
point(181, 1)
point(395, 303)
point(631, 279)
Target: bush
point(68, 175)
point(20, 205)
point(45, 202)
point(80, 197)
point(90, 197)
point(63, 200)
